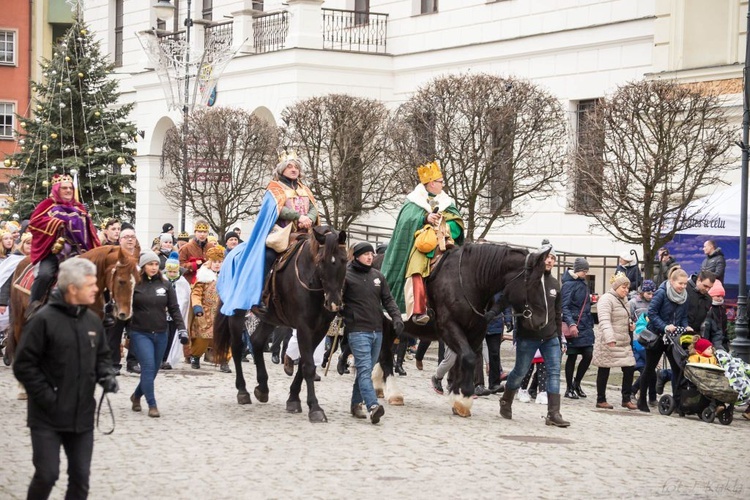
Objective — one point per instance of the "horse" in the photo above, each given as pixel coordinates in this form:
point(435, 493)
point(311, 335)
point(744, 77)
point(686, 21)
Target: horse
point(460, 288)
point(308, 296)
point(116, 272)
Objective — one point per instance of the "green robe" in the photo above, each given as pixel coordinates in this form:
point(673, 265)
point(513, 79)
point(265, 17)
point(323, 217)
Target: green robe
point(402, 259)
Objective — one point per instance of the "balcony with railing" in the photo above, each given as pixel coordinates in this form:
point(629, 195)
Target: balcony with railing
point(270, 31)
point(218, 34)
point(354, 30)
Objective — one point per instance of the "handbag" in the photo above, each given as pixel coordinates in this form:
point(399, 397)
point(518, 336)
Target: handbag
point(278, 239)
point(648, 339)
point(426, 239)
point(566, 328)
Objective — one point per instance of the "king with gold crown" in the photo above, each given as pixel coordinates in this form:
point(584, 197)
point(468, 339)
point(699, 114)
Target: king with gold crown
point(408, 260)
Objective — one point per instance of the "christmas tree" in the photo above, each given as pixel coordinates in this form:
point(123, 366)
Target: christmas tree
point(78, 129)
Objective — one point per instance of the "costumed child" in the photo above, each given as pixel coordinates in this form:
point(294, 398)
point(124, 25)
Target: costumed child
point(181, 287)
point(205, 302)
point(702, 351)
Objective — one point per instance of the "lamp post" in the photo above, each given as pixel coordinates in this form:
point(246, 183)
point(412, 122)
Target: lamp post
point(165, 10)
point(741, 342)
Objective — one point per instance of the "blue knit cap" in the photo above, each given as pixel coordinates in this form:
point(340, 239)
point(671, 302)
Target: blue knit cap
point(648, 286)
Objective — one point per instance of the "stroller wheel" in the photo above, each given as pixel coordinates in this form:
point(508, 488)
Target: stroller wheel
point(666, 405)
point(727, 415)
point(708, 415)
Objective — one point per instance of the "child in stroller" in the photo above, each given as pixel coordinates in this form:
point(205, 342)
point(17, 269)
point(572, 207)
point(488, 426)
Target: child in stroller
point(702, 388)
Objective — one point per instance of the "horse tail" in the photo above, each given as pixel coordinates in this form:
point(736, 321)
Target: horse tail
point(222, 335)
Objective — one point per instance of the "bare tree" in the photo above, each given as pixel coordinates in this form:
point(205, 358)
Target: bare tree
point(342, 140)
point(499, 142)
point(230, 156)
point(650, 147)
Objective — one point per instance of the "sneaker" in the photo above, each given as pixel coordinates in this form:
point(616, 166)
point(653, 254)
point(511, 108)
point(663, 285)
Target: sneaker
point(358, 411)
point(541, 398)
point(224, 368)
point(134, 368)
point(376, 411)
point(437, 385)
point(481, 390)
point(420, 319)
point(523, 396)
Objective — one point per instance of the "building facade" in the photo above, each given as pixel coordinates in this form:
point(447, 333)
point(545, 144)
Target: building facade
point(579, 50)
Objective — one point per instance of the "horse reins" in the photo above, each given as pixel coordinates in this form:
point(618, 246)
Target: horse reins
point(296, 272)
point(111, 413)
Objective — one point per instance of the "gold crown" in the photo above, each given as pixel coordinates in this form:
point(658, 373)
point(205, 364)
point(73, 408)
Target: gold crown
point(215, 253)
point(200, 226)
point(109, 221)
point(429, 172)
point(57, 178)
point(287, 154)
point(183, 236)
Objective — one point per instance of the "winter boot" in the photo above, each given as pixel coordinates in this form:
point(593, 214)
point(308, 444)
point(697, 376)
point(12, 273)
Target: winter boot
point(553, 412)
point(506, 402)
point(195, 362)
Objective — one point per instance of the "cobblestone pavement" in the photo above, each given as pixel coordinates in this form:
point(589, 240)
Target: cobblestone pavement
point(207, 446)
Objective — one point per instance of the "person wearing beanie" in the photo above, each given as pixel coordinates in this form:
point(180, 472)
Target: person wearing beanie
point(366, 293)
point(612, 347)
point(168, 228)
point(231, 240)
point(288, 208)
point(174, 351)
point(628, 265)
point(166, 245)
point(193, 254)
point(667, 314)
point(714, 327)
point(702, 351)
point(576, 314)
point(153, 299)
point(638, 307)
point(204, 300)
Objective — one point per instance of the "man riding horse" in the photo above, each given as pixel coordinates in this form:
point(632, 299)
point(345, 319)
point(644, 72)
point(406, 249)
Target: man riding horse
point(61, 228)
point(411, 254)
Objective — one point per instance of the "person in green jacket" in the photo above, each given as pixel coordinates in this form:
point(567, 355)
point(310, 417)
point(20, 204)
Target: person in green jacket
point(405, 265)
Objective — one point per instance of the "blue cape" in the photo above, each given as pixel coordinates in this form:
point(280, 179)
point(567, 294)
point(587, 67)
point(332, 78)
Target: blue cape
point(241, 279)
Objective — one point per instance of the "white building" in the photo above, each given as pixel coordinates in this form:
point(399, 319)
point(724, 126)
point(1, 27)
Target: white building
point(578, 49)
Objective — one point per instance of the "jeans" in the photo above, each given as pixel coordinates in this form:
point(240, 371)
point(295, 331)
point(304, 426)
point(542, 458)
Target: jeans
point(45, 445)
point(366, 349)
point(525, 350)
point(149, 349)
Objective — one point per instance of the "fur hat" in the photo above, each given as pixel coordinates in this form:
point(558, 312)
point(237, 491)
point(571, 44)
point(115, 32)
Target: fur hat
point(580, 264)
point(618, 280)
point(717, 290)
point(648, 286)
point(173, 262)
point(146, 257)
point(215, 253)
point(702, 344)
point(362, 247)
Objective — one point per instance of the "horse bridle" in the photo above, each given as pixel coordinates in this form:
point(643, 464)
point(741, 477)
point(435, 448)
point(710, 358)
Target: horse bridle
point(527, 312)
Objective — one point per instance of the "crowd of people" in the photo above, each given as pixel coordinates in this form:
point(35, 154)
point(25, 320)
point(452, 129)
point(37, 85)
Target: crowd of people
point(181, 287)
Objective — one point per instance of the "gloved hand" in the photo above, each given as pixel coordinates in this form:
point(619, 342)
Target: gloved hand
point(109, 308)
point(573, 330)
point(109, 383)
point(489, 316)
point(198, 311)
point(182, 334)
point(398, 327)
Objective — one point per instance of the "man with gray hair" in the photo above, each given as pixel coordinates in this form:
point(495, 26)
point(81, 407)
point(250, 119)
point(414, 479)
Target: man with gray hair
point(61, 357)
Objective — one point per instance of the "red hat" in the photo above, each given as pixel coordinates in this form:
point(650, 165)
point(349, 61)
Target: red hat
point(717, 290)
point(702, 344)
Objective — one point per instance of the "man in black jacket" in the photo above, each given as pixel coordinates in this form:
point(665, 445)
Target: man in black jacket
point(699, 302)
point(365, 294)
point(61, 356)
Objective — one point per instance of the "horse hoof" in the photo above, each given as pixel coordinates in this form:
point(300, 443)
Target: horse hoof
point(461, 410)
point(317, 417)
point(261, 396)
point(243, 398)
point(379, 393)
point(396, 401)
point(294, 406)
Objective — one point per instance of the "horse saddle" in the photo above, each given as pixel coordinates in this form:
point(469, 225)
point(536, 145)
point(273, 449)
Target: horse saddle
point(281, 262)
point(24, 282)
point(269, 289)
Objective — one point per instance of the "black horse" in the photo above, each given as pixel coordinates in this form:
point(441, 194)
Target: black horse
point(309, 292)
point(459, 290)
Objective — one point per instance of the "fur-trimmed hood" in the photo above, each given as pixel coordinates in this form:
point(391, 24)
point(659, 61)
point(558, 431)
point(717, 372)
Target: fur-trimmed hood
point(420, 196)
point(205, 275)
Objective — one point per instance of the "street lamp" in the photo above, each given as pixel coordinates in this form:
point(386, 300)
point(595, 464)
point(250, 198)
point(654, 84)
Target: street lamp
point(165, 10)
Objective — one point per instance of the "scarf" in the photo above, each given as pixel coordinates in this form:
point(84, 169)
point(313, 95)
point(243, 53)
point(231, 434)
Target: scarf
point(358, 266)
point(677, 298)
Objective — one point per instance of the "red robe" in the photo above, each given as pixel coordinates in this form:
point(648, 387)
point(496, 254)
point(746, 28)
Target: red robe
point(46, 228)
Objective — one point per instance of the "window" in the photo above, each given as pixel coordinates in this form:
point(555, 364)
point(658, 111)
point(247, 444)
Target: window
point(361, 7)
point(589, 147)
point(118, 32)
point(7, 116)
point(208, 9)
point(8, 47)
point(258, 5)
point(429, 6)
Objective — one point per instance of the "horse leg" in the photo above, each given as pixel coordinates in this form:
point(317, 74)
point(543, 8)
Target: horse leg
point(462, 372)
point(392, 394)
point(235, 325)
point(384, 368)
point(258, 340)
point(293, 403)
point(307, 342)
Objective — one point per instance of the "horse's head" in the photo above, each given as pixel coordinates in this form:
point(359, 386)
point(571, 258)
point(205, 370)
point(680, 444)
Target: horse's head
point(526, 291)
point(122, 276)
point(330, 256)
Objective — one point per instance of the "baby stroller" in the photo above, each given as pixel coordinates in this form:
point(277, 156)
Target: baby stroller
point(701, 388)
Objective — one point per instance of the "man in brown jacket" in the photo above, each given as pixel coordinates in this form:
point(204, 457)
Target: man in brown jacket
point(193, 255)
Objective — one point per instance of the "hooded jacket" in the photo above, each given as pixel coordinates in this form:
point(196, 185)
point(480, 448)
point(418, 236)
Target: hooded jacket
point(575, 292)
point(716, 263)
point(61, 356)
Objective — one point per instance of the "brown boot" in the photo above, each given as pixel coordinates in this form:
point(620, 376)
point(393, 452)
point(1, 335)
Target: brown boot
point(553, 412)
point(506, 403)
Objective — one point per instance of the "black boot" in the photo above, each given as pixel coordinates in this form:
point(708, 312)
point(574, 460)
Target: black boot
point(553, 412)
point(399, 368)
point(341, 366)
point(578, 390)
point(506, 403)
point(570, 393)
point(195, 362)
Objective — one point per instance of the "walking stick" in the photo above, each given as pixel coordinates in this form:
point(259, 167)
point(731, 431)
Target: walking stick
point(336, 325)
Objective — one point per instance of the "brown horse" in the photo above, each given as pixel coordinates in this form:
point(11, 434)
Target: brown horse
point(116, 272)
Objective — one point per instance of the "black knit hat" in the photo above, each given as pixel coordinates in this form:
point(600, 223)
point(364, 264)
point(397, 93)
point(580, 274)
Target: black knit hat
point(126, 225)
point(166, 227)
point(230, 234)
point(361, 248)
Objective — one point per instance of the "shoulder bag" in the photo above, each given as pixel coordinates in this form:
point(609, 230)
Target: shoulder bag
point(278, 239)
point(566, 328)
